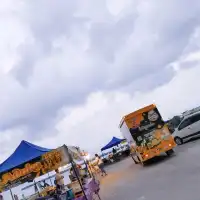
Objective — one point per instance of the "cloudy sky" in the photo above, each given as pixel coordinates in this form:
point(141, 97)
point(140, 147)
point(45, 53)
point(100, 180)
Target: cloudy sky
point(70, 70)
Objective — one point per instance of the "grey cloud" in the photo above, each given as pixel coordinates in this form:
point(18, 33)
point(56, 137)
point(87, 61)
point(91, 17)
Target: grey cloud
point(150, 81)
point(189, 64)
point(50, 18)
point(30, 54)
point(113, 54)
point(53, 20)
point(108, 37)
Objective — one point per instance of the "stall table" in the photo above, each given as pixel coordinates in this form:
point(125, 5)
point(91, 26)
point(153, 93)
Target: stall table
point(90, 188)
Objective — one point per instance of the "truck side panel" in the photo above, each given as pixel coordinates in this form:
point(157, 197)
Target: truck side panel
point(126, 133)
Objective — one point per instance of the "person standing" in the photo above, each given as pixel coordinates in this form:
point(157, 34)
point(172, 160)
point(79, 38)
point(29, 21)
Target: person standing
point(114, 151)
point(59, 180)
point(100, 164)
point(16, 197)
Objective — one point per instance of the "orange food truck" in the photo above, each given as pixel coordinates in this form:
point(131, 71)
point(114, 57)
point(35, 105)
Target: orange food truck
point(147, 134)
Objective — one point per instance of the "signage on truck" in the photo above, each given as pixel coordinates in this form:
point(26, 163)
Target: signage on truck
point(146, 127)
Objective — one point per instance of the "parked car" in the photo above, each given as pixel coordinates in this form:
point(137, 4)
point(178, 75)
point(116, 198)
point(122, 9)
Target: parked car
point(188, 128)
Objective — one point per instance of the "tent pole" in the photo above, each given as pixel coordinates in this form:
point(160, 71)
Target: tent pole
point(50, 179)
point(11, 194)
point(85, 162)
point(87, 168)
point(77, 176)
point(72, 163)
point(98, 196)
point(90, 171)
point(36, 187)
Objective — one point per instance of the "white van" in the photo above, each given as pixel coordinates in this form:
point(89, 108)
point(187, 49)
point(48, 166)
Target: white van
point(188, 128)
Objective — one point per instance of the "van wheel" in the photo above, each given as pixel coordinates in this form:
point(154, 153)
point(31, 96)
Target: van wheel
point(144, 163)
point(178, 140)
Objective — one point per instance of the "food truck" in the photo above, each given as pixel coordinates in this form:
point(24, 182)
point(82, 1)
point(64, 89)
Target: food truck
point(147, 134)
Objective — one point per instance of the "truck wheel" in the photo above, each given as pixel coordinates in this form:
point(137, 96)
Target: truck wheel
point(178, 140)
point(144, 163)
point(170, 152)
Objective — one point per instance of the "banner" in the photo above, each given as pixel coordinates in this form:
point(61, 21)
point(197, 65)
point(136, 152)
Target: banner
point(147, 127)
point(27, 172)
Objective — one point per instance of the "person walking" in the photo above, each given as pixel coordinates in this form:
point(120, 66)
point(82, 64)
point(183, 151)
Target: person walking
point(100, 164)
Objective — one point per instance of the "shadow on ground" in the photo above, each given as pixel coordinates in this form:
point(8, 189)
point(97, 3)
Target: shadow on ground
point(157, 160)
point(193, 139)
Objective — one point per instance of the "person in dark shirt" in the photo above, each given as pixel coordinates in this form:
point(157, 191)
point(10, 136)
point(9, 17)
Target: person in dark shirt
point(114, 151)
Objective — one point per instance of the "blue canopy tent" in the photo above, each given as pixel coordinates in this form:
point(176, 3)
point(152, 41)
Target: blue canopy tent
point(114, 142)
point(30, 153)
point(24, 153)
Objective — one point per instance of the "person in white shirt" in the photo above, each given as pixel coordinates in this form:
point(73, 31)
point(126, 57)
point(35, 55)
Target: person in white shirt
point(59, 180)
point(100, 164)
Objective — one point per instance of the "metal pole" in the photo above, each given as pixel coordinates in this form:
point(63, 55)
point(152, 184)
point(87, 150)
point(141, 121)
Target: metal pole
point(86, 165)
point(50, 179)
point(90, 171)
point(36, 188)
point(94, 180)
point(98, 196)
point(79, 180)
point(11, 194)
point(73, 167)
point(87, 168)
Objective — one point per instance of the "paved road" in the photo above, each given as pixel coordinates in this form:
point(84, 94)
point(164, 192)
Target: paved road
point(172, 178)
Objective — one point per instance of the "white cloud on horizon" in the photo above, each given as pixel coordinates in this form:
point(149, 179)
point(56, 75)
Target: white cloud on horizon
point(99, 118)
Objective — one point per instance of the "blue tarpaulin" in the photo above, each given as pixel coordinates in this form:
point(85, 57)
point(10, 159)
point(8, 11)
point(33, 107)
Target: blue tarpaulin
point(114, 142)
point(25, 152)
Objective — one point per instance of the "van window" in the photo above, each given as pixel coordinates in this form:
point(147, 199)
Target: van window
point(195, 118)
point(185, 123)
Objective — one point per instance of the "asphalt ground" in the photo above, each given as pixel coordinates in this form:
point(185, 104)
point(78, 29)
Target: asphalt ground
point(164, 178)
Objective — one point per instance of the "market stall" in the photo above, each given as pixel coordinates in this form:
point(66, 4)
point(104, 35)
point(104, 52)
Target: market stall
point(114, 142)
point(30, 161)
point(115, 155)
